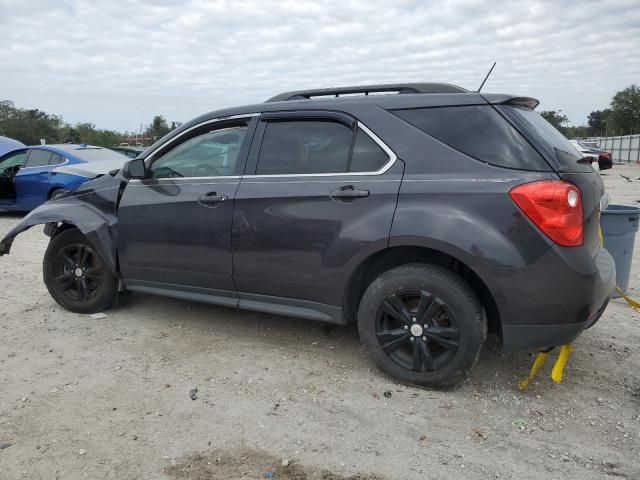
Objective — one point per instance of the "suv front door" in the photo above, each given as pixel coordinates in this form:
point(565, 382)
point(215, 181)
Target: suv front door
point(318, 195)
point(174, 233)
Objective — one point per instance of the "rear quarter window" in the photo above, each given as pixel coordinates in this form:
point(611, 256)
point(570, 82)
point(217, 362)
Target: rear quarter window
point(367, 156)
point(56, 159)
point(478, 131)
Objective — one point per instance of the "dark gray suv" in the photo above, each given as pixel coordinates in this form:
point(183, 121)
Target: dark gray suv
point(429, 214)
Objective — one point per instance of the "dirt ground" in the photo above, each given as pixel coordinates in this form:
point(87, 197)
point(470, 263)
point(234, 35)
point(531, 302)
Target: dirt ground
point(111, 398)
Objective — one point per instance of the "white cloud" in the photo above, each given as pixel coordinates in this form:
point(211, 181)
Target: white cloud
point(118, 63)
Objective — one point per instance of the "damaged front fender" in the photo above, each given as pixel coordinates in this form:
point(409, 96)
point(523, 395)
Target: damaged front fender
point(92, 208)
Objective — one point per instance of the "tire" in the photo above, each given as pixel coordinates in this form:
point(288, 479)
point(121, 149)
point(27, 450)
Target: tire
point(75, 275)
point(392, 316)
point(56, 193)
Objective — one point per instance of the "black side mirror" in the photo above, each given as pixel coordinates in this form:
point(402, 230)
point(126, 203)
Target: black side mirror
point(134, 168)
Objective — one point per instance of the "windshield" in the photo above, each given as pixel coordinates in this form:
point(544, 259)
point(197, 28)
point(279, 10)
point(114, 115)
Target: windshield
point(550, 142)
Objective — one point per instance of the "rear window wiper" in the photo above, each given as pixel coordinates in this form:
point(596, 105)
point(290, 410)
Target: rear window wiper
point(561, 155)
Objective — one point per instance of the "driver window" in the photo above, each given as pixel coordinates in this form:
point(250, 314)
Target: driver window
point(13, 160)
point(210, 154)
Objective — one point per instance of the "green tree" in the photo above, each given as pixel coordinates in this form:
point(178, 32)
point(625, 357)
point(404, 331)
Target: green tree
point(556, 118)
point(29, 126)
point(581, 131)
point(625, 110)
point(598, 120)
point(158, 128)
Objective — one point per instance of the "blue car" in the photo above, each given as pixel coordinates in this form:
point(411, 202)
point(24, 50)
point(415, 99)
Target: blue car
point(29, 176)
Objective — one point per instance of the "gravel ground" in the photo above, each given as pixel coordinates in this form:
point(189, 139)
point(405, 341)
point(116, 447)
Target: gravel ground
point(112, 397)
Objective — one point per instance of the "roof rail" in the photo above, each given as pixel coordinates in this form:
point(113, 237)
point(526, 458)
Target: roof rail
point(367, 89)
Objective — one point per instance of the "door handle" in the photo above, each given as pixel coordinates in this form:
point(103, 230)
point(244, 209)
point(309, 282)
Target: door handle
point(349, 192)
point(212, 198)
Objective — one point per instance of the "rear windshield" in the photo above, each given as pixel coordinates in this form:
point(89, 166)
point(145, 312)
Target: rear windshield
point(480, 132)
point(549, 141)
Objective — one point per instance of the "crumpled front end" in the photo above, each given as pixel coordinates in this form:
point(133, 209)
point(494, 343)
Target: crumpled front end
point(92, 209)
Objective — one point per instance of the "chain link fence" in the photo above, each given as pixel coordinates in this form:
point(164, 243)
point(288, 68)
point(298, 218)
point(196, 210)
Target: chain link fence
point(624, 149)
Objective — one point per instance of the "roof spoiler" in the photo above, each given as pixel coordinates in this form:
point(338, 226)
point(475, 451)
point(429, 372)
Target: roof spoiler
point(400, 88)
point(501, 99)
point(523, 102)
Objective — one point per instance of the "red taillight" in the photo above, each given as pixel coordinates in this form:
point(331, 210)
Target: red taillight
point(555, 207)
point(606, 156)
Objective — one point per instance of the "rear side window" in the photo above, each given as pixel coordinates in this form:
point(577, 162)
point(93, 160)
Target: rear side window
point(304, 147)
point(38, 158)
point(480, 132)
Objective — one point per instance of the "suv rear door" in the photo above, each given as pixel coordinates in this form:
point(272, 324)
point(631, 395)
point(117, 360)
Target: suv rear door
point(318, 195)
point(174, 232)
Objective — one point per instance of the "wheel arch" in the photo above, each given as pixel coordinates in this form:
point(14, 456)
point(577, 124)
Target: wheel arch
point(92, 209)
point(95, 225)
point(52, 189)
point(394, 256)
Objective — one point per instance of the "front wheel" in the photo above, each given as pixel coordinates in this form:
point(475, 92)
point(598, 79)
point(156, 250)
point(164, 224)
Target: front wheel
point(75, 275)
point(422, 324)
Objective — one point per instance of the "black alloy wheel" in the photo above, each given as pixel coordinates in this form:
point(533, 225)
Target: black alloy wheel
point(417, 330)
point(76, 275)
point(422, 324)
point(80, 272)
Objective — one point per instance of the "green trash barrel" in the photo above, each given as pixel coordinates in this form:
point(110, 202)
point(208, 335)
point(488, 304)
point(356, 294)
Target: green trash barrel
point(619, 226)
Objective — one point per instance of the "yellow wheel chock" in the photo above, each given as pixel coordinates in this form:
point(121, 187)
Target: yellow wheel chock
point(632, 303)
point(558, 367)
point(565, 350)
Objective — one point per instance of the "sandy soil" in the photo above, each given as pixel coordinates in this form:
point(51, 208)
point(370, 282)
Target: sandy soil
point(110, 398)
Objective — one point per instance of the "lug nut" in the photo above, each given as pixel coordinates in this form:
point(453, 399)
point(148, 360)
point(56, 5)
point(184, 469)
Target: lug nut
point(411, 339)
point(414, 319)
point(424, 338)
point(406, 327)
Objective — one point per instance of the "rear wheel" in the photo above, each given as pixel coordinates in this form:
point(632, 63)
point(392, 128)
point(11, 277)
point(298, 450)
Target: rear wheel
point(76, 276)
point(422, 324)
point(56, 193)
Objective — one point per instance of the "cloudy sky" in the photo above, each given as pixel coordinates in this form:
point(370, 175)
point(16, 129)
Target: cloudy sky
point(118, 63)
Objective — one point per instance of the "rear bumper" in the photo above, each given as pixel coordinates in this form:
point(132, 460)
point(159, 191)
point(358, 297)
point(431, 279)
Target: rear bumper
point(552, 301)
point(540, 337)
